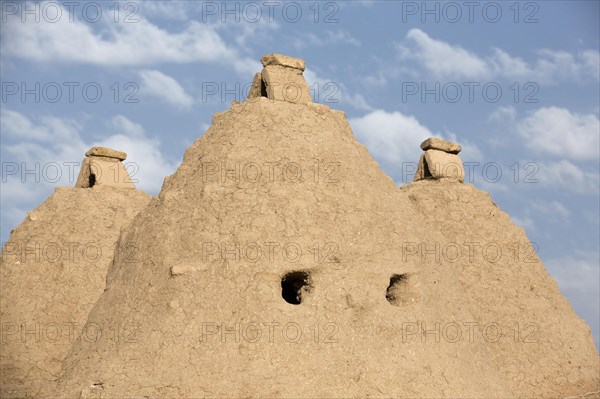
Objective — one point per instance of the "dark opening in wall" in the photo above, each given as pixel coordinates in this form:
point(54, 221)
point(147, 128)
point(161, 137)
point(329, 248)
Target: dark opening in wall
point(426, 171)
point(91, 180)
point(294, 285)
point(397, 289)
point(263, 88)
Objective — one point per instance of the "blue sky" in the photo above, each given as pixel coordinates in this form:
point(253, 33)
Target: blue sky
point(516, 83)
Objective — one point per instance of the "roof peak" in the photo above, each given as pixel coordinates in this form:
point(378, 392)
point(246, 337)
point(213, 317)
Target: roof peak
point(281, 80)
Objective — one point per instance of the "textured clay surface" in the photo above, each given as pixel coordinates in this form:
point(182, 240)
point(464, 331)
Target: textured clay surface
point(280, 261)
point(52, 271)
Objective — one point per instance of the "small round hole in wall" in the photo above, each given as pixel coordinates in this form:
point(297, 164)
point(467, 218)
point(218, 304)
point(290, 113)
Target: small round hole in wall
point(294, 286)
point(398, 291)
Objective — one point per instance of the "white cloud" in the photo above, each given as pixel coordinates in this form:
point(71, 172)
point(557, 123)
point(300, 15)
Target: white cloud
point(443, 59)
point(503, 114)
point(505, 65)
point(147, 165)
point(50, 130)
point(165, 87)
point(558, 132)
point(40, 141)
point(566, 175)
point(447, 61)
point(565, 142)
point(391, 137)
point(120, 123)
point(109, 44)
point(394, 140)
point(561, 65)
point(591, 60)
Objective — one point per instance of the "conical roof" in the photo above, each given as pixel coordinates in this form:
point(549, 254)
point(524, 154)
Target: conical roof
point(280, 261)
point(53, 270)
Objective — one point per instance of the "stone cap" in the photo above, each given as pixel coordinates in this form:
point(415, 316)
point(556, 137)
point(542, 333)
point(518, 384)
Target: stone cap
point(434, 143)
point(103, 167)
point(106, 152)
point(283, 60)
